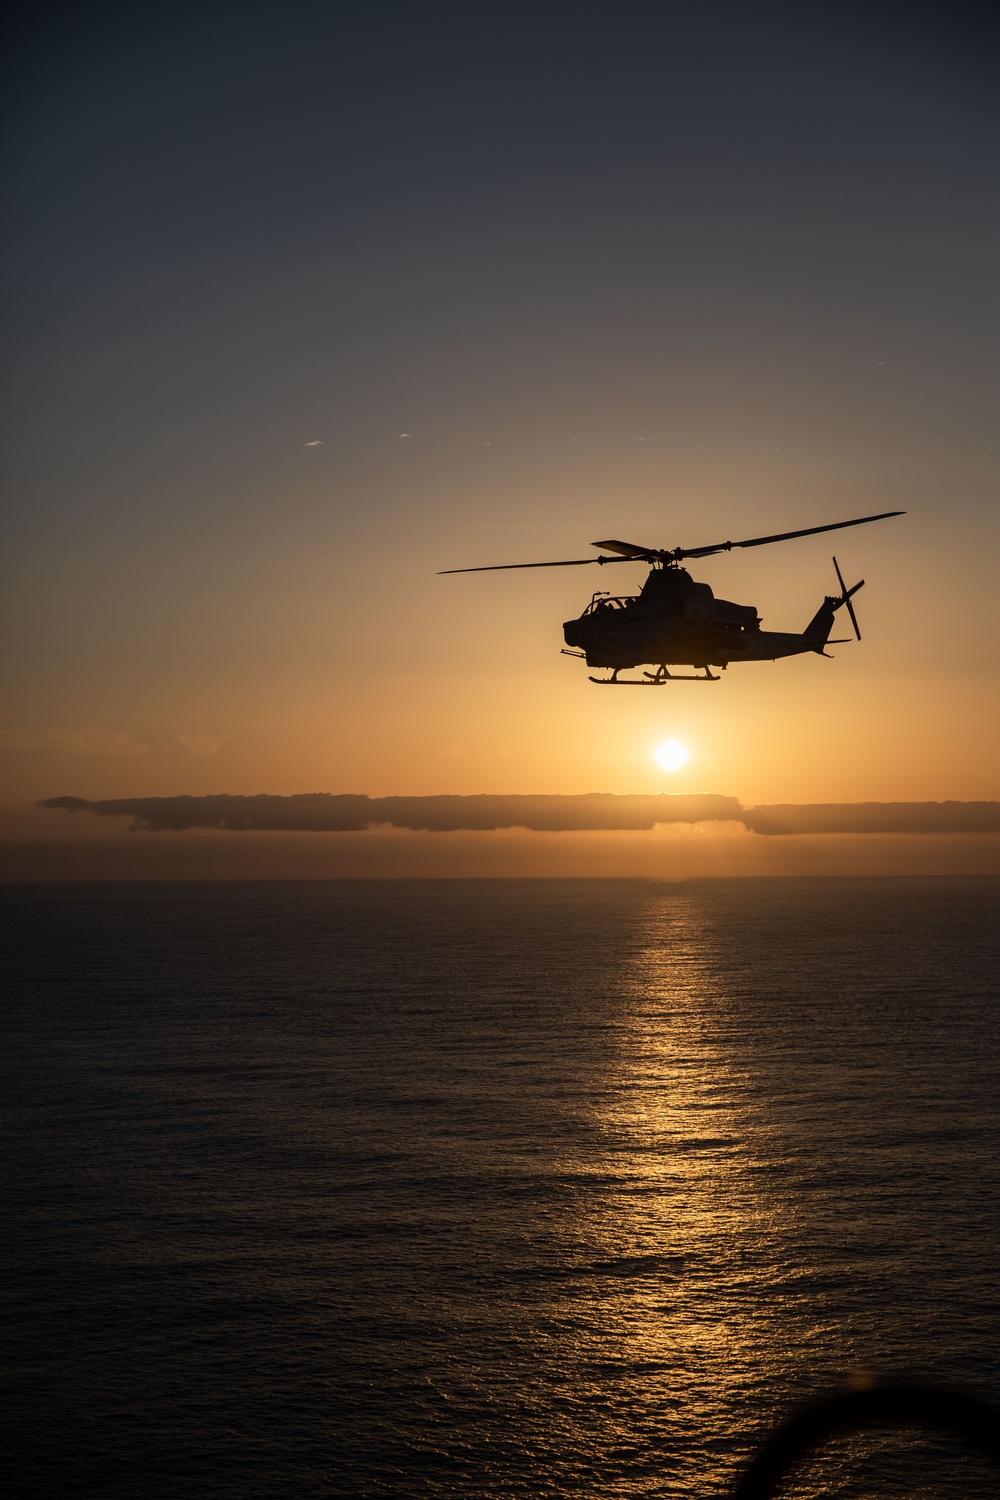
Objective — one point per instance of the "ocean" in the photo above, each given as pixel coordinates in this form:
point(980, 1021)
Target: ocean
point(493, 1188)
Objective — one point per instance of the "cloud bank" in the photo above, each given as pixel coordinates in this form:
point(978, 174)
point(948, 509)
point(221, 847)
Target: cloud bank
point(324, 812)
point(874, 817)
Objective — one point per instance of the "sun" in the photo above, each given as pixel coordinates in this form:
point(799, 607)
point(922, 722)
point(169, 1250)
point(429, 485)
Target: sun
point(671, 755)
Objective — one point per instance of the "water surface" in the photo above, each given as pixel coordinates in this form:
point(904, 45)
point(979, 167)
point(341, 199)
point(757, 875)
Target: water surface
point(493, 1188)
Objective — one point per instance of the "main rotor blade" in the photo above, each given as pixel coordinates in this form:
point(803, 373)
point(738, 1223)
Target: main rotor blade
point(629, 550)
point(782, 536)
point(573, 562)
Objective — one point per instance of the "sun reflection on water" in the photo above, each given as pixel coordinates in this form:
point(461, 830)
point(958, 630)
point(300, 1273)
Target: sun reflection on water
point(673, 1215)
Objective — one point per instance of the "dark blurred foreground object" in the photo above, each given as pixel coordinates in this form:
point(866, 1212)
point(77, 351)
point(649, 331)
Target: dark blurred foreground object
point(964, 1417)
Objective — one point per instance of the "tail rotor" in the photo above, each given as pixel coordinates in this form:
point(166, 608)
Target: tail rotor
point(845, 598)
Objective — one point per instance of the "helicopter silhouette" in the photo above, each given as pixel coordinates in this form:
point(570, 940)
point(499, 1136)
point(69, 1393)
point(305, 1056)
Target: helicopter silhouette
point(676, 621)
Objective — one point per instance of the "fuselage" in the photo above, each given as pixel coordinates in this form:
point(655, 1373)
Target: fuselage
point(676, 621)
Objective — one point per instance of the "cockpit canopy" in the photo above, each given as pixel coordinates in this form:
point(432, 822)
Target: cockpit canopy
point(604, 603)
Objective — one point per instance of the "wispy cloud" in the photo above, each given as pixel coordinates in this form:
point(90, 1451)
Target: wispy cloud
point(89, 740)
point(17, 739)
point(94, 741)
point(200, 744)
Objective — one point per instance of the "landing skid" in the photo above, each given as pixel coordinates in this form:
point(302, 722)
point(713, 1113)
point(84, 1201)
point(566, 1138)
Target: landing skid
point(653, 679)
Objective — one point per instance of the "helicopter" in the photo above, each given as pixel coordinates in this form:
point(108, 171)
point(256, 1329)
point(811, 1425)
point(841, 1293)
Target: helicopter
point(676, 621)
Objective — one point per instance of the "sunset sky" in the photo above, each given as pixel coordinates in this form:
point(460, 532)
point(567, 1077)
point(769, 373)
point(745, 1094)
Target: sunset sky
point(308, 302)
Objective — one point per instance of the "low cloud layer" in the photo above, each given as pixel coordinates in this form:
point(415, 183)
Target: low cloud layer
point(323, 812)
point(874, 817)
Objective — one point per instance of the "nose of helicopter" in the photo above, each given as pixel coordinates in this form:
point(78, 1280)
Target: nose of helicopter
point(573, 632)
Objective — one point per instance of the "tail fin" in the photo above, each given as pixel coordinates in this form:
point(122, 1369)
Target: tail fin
point(817, 632)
